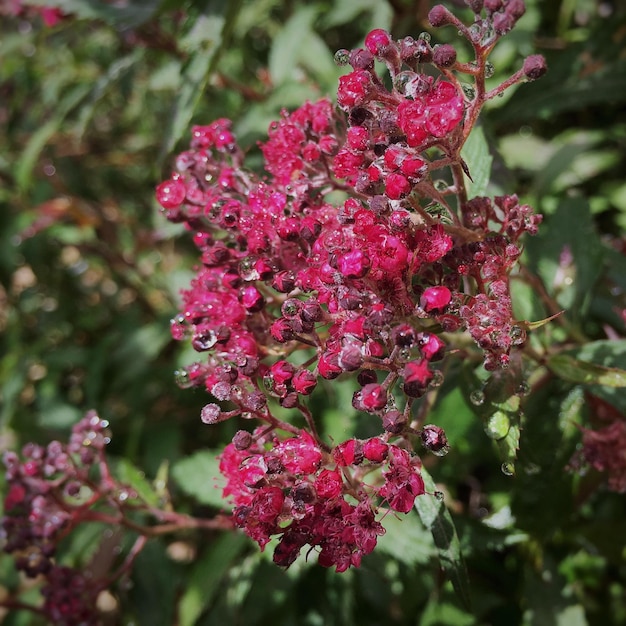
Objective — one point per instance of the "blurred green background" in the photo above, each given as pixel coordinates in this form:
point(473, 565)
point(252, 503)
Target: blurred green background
point(91, 112)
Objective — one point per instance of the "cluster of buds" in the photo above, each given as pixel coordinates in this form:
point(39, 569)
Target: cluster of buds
point(293, 289)
point(603, 446)
point(51, 490)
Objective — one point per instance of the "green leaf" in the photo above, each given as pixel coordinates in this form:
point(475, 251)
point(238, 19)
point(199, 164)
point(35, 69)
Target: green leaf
point(27, 160)
point(204, 582)
point(568, 255)
point(476, 154)
point(204, 42)
point(603, 367)
point(198, 475)
point(132, 476)
point(117, 69)
point(297, 44)
point(406, 540)
point(436, 517)
point(569, 368)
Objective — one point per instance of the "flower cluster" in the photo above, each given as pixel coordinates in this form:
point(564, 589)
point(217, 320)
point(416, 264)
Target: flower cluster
point(294, 489)
point(603, 446)
point(51, 490)
point(293, 289)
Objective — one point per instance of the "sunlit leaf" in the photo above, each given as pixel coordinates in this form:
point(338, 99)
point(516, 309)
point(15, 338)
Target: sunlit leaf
point(436, 517)
point(198, 475)
point(569, 368)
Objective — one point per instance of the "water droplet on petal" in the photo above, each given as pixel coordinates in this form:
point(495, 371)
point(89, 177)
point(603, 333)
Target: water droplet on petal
point(439, 495)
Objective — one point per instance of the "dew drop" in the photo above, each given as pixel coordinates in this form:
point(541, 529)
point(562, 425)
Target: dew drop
point(489, 70)
point(469, 91)
point(523, 389)
point(477, 397)
point(441, 451)
point(182, 378)
point(508, 469)
point(441, 185)
point(342, 57)
point(437, 379)
point(424, 36)
point(475, 32)
point(402, 80)
point(439, 495)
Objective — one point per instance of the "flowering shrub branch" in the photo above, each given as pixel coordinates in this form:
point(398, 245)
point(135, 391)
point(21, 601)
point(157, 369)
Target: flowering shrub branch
point(366, 255)
point(294, 289)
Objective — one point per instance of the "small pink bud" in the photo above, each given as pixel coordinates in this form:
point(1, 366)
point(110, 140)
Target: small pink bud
point(375, 450)
point(252, 299)
point(397, 186)
point(439, 16)
point(435, 298)
point(378, 41)
point(171, 193)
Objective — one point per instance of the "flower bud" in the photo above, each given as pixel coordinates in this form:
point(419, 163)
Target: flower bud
point(394, 422)
point(375, 450)
point(439, 16)
point(534, 67)
point(242, 440)
point(434, 439)
point(444, 55)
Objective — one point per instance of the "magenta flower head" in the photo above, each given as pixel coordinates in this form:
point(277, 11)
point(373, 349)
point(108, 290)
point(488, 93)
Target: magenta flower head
point(346, 261)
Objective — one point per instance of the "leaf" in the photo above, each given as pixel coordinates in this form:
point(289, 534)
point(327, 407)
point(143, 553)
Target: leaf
point(568, 255)
point(198, 475)
point(37, 141)
point(535, 325)
point(476, 154)
point(205, 41)
point(130, 475)
point(569, 368)
point(436, 517)
point(114, 73)
point(406, 540)
point(297, 44)
point(207, 575)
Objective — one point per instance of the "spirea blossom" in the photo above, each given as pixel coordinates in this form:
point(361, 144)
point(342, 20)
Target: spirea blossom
point(345, 258)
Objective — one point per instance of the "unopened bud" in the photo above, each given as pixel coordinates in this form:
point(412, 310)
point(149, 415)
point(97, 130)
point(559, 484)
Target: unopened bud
point(535, 67)
point(439, 16)
point(444, 55)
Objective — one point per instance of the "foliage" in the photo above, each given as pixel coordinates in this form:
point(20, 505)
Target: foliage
point(92, 109)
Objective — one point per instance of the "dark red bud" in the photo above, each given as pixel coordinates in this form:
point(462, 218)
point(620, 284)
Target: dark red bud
point(439, 16)
point(444, 55)
point(534, 67)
